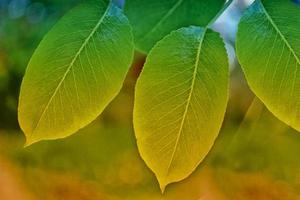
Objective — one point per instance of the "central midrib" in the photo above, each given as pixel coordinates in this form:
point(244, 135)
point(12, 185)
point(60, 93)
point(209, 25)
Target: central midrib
point(280, 33)
point(71, 65)
point(188, 100)
point(286, 42)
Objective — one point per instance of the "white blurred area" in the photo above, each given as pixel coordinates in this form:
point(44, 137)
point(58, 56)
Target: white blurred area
point(227, 25)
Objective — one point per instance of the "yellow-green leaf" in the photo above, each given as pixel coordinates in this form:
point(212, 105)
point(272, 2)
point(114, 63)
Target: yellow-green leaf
point(180, 101)
point(268, 48)
point(77, 69)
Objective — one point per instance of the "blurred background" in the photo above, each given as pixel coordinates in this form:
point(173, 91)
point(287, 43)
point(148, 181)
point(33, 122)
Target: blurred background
point(255, 157)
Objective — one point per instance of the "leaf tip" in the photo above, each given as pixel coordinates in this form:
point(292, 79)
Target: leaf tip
point(29, 142)
point(162, 188)
point(162, 184)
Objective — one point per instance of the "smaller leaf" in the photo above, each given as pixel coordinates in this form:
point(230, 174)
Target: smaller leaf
point(180, 102)
point(153, 20)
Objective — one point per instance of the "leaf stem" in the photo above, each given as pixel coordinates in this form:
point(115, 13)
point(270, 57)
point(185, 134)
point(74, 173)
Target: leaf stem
point(226, 5)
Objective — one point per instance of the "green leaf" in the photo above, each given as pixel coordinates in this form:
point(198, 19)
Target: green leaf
point(268, 48)
point(152, 20)
point(78, 68)
point(180, 101)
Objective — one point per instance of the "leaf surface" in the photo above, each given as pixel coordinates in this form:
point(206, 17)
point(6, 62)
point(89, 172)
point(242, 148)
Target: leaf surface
point(268, 48)
point(152, 20)
point(77, 69)
point(180, 101)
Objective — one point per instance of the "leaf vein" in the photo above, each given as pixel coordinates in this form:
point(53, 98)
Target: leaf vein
point(188, 100)
point(77, 55)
